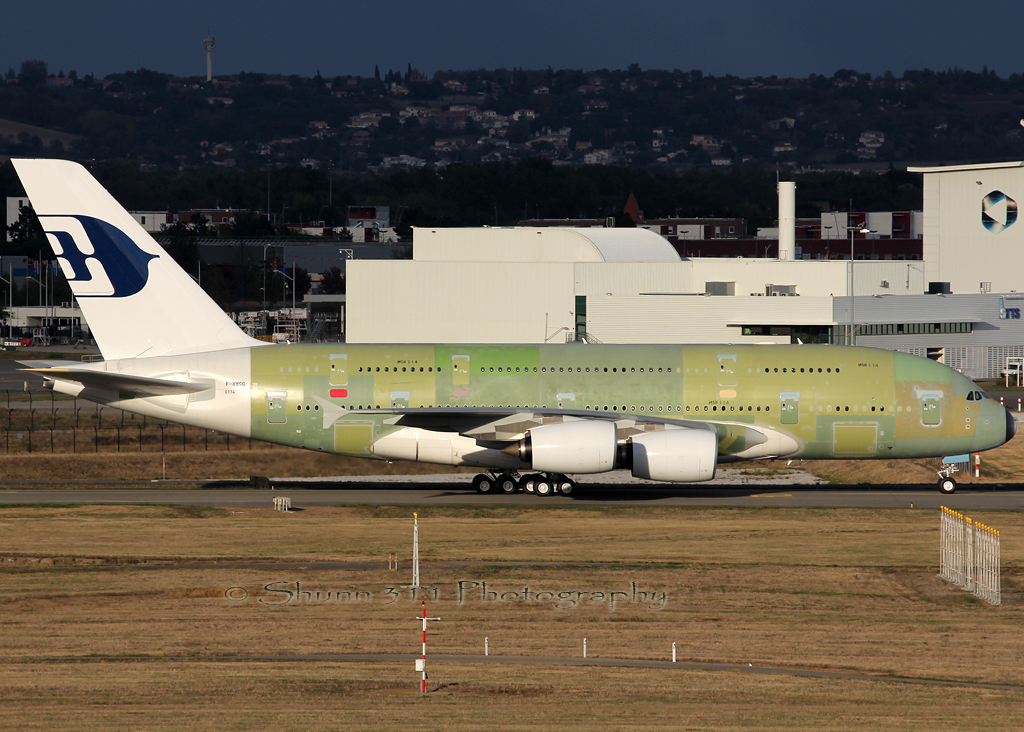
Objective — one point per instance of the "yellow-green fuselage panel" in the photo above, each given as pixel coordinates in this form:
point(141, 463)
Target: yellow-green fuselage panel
point(835, 402)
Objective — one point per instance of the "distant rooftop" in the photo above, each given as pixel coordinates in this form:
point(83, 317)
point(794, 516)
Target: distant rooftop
point(541, 244)
point(958, 168)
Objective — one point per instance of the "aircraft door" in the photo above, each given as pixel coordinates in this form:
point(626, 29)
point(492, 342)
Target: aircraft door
point(930, 403)
point(460, 370)
point(339, 369)
point(728, 374)
point(789, 408)
point(277, 407)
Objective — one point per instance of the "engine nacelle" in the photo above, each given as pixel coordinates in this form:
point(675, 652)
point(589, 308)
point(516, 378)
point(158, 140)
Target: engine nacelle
point(442, 448)
point(684, 455)
point(585, 446)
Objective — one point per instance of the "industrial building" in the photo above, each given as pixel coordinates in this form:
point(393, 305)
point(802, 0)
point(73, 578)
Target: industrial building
point(616, 285)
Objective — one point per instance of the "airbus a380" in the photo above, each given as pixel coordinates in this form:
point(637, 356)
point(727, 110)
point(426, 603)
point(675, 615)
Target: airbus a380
point(528, 415)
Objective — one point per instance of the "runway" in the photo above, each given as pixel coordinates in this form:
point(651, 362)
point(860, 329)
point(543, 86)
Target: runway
point(305, 494)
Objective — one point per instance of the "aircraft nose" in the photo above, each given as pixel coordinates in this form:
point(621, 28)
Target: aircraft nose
point(1011, 425)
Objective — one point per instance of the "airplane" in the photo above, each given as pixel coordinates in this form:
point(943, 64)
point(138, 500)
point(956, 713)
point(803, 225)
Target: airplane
point(529, 416)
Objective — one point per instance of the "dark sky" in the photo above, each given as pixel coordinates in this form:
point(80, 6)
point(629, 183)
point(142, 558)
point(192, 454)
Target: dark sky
point(741, 37)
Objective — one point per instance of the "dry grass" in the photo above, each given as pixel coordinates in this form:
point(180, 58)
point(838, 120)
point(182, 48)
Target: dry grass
point(354, 696)
point(837, 590)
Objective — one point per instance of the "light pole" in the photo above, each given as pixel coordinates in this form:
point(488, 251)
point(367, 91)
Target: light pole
point(862, 229)
point(265, 275)
point(295, 331)
point(41, 288)
point(292, 278)
point(10, 297)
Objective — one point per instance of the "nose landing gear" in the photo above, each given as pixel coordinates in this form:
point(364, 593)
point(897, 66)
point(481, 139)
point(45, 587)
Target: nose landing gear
point(947, 485)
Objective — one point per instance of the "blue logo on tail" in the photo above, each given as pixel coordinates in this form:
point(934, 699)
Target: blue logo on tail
point(114, 255)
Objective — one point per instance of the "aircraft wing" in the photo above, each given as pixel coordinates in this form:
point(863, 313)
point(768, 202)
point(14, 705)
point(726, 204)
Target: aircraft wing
point(510, 425)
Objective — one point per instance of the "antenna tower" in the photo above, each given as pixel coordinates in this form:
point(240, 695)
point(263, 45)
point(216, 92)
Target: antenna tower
point(208, 44)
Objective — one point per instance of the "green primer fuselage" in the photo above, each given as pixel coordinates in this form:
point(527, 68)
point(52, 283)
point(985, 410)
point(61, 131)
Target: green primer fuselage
point(834, 401)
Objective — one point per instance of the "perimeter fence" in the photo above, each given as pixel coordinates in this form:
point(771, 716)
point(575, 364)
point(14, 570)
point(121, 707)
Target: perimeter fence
point(40, 423)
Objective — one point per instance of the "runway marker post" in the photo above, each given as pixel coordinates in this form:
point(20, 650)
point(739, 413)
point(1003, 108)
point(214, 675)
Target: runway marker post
point(416, 551)
point(421, 663)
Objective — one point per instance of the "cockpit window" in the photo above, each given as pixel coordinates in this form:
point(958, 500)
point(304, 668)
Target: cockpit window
point(971, 396)
point(982, 395)
point(976, 396)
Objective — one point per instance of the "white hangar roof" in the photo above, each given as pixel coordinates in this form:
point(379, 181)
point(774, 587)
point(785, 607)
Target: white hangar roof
point(961, 168)
point(545, 244)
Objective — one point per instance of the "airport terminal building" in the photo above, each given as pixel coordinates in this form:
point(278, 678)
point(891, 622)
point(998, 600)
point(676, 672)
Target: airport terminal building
point(960, 305)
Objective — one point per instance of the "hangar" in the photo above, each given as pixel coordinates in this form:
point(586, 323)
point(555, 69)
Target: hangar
point(960, 305)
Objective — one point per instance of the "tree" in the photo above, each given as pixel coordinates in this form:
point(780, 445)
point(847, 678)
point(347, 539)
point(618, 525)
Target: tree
point(199, 226)
point(332, 282)
point(251, 224)
point(26, 228)
point(33, 73)
point(303, 282)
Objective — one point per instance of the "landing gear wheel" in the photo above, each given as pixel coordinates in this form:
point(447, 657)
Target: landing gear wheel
point(507, 484)
point(544, 487)
point(565, 486)
point(483, 484)
point(947, 486)
point(529, 483)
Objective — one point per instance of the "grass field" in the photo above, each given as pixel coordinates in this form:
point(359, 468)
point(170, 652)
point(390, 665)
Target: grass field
point(838, 590)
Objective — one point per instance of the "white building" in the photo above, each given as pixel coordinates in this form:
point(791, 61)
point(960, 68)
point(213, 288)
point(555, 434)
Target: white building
point(971, 233)
point(528, 285)
point(151, 221)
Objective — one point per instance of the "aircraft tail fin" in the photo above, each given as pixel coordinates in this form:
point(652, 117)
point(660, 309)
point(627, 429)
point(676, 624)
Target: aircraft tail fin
point(137, 300)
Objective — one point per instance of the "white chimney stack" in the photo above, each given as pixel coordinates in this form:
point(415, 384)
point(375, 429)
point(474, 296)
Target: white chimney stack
point(787, 219)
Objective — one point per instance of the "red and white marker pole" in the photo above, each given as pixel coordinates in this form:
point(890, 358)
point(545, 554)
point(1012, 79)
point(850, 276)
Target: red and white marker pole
point(421, 666)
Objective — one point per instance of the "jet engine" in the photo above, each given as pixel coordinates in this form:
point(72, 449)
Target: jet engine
point(585, 446)
point(683, 455)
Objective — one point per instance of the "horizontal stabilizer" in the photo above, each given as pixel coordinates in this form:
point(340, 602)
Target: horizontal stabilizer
point(124, 384)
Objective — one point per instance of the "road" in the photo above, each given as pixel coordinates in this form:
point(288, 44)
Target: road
point(305, 494)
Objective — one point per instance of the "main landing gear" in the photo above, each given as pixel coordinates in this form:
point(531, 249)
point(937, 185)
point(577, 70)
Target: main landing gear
point(539, 484)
